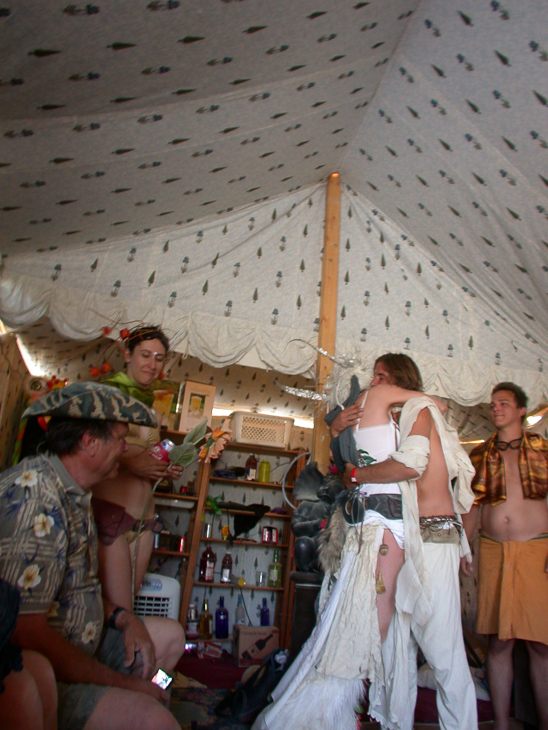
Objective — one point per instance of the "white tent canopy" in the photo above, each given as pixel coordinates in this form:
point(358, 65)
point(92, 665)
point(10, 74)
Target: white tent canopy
point(166, 161)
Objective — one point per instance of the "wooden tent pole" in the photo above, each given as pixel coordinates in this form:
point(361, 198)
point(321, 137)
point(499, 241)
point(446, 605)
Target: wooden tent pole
point(328, 312)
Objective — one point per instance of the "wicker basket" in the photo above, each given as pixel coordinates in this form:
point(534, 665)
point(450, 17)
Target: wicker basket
point(250, 428)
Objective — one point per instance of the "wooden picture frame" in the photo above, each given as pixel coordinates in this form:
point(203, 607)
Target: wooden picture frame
point(166, 398)
point(197, 404)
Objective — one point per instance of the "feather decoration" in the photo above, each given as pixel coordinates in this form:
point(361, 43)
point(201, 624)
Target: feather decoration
point(302, 392)
point(337, 384)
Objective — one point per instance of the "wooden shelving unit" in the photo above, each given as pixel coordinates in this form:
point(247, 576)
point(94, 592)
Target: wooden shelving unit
point(274, 515)
point(171, 553)
point(245, 587)
point(251, 483)
point(247, 543)
point(197, 505)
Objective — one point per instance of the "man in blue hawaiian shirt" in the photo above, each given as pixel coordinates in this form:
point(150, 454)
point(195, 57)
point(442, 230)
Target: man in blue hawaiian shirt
point(102, 655)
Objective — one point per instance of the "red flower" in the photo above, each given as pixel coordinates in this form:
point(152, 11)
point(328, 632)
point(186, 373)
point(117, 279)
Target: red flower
point(124, 334)
point(106, 367)
point(107, 330)
point(54, 383)
point(93, 371)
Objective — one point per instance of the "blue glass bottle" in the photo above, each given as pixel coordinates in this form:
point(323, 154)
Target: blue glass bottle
point(265, 614)
point(221, 620)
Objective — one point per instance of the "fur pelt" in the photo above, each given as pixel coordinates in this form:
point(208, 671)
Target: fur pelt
point(331, 542)
point(327, 703)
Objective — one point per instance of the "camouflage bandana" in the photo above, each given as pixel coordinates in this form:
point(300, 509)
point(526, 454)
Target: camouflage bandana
point(94, 401)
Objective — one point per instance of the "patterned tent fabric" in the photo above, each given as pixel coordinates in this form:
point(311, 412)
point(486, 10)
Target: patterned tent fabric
point(167, 161)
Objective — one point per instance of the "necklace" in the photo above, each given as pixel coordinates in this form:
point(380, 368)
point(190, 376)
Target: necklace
point(514, 444)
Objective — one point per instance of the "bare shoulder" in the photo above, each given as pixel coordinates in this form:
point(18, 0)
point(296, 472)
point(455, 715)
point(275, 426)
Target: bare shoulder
point(423, 423)
point(424, 416)
point(392, 394)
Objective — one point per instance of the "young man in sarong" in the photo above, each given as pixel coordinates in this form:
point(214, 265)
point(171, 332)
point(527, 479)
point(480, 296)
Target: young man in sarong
point(511, 485)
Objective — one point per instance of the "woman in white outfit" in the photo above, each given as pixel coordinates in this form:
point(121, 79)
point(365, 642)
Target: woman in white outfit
point(325, 683)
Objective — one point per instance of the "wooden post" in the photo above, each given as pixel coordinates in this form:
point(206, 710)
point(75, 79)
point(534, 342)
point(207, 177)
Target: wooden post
point(187, 582)
point(328, 312)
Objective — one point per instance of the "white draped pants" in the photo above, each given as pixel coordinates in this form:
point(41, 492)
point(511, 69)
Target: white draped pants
point(441, 641)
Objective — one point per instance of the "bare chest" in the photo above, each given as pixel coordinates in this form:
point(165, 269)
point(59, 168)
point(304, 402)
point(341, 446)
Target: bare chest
point(516, 518)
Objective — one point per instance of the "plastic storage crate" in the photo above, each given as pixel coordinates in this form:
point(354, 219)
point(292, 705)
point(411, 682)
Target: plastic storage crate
point(251, 428)
point(158, 596)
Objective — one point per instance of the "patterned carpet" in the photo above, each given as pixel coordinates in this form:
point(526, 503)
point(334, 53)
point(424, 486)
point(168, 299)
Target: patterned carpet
point(193, 705)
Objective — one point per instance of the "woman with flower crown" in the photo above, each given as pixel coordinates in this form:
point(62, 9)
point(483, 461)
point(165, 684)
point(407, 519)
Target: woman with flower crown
point(119, 504)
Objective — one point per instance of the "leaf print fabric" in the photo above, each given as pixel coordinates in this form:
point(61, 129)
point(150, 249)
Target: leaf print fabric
point(433, 115)
point(48, 547)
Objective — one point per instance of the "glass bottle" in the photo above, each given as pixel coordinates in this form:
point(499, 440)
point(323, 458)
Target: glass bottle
point(165, 486)
point(251, 468)
point(264, 471)
point(192, 622)
point(207, 565)
point(265, 613)
point(221, 620)
point(275, 572)
point(205, 623)
point(226, 568)
point(239, 614)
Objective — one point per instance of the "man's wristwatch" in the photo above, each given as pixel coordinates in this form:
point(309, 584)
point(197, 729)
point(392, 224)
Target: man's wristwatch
point(353, 476)
point(113, 616)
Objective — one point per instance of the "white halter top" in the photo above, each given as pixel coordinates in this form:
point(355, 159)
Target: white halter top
point(375, 444)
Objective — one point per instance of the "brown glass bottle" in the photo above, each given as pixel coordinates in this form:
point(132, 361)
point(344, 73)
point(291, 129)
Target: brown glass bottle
point(251, 468)
point(205, 623)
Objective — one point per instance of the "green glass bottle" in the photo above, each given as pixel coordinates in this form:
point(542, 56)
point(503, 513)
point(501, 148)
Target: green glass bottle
point(275, 572)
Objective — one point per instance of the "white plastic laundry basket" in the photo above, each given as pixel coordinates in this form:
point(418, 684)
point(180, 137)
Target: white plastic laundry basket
point(259, 430)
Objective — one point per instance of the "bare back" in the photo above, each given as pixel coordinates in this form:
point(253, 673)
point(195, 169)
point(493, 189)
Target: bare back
point(433, 493)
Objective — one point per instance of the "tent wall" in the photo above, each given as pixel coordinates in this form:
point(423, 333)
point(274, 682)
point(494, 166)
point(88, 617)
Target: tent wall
point(220, 289)
point(393, 296)
point(177, 175)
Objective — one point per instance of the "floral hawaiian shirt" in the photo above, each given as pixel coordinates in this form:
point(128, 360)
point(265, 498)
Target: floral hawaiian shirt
point(48, 548)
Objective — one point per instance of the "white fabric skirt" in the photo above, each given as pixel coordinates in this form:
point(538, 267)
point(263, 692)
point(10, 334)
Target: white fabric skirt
point(324, 684)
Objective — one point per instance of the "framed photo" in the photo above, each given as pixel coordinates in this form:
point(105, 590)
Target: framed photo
point(166, 397)
point(197, 404)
